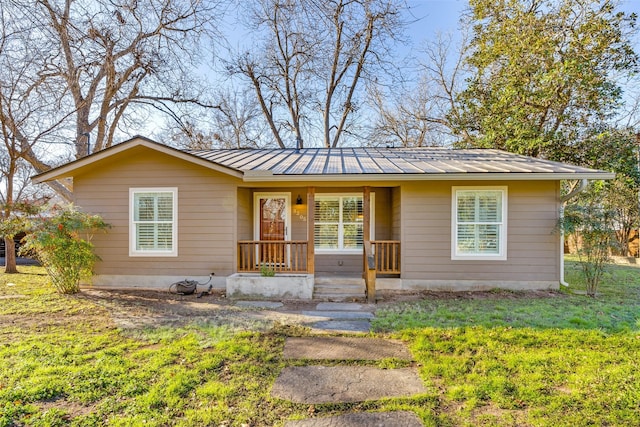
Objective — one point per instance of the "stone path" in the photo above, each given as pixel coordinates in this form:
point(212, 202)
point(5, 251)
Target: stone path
point(361, 419)
point(340, 317)
point(317, 384)
point(344, 348)
point(342, 384)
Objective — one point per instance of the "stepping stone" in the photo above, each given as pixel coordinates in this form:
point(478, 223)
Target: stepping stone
point(362, 419)
point(341, 306)
point(343, 326)
point(259, 304)
point(345, 348)
point(340, 314)
point(342, 384)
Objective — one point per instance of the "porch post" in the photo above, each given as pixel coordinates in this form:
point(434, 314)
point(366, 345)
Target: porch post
point(311, 204)
point(369, 272)
point(366, 212)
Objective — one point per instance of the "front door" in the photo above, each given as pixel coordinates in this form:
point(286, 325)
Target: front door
point(272, 224)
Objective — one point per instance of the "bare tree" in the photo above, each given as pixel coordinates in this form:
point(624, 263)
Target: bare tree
point(28, 113)
point(112, 55)
point(401, 117)
point(312, 60)
point(421, 114)
point(236, 122)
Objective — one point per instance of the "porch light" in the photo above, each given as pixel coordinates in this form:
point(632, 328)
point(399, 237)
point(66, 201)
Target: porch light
point(299, 200)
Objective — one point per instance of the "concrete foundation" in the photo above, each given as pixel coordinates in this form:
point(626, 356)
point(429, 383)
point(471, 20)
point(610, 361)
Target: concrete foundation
point(476, 285)
point(145, 282)
point(294, 286)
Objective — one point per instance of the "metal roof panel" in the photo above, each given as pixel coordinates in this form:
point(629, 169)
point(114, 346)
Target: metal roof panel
point(384, 161)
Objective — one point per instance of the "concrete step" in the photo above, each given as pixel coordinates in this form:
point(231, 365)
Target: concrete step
point(338, 288)
point(338, 293)
point(338, 281)
point(340, 315)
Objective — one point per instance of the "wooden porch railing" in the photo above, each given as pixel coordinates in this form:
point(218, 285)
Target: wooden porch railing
point(281, 256)
point(380, 257)
point(386, 254)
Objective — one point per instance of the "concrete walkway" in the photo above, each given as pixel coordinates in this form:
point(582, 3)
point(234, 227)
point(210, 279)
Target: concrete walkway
point(317, 384)
point(323, 317)
point(340, 317)
point(342, 384)
point(362, 419)
point(344, 348)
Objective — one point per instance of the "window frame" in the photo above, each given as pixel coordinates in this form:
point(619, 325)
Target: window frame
point(340, 196)
point(133, 252)
point(502, 229)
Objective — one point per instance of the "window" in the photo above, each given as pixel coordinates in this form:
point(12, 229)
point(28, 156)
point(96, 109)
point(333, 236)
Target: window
point(338, 222)
point(153, 224)
point(479, 223)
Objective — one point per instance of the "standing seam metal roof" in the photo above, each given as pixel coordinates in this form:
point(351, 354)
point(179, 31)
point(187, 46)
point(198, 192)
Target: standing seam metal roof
point(360, 161)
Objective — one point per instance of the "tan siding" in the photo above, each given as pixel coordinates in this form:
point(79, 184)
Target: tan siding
point(532, 244)
point(206, 214)
point(298, 214)
point(395, 213)
point(245, 214)
point(382, 213)
point(330, 264)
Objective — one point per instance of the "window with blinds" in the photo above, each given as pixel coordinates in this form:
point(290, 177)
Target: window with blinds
point(338, 222)
point(479, 218)
point(153, 222)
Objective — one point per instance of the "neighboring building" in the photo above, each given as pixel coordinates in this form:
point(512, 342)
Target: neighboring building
point(433, 218)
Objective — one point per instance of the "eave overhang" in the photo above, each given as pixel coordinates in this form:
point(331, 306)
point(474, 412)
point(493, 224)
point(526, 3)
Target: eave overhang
point(68, 170)
point(510, 176)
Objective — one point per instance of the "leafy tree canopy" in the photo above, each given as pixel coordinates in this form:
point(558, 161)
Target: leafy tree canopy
point(542, 72)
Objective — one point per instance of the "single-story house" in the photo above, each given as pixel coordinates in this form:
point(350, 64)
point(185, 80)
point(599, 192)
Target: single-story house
point(401, 218)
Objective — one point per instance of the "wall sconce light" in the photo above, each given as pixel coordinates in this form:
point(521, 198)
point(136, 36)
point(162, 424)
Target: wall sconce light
point(299, 200)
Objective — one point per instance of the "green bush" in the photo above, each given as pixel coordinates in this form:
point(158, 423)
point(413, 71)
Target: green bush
point(61, 240)
point(593, 225)
point(267, 271)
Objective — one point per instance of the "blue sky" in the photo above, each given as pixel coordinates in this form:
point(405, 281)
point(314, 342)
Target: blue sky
point(435, 15)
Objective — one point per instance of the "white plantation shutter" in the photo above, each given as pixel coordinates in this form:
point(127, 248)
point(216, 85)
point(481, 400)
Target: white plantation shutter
point(479, 223)
point(153, 222)
point(352, 220)
point(327, 214)
point(338, 222)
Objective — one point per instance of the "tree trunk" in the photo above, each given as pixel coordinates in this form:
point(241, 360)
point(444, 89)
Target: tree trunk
point(10, 256)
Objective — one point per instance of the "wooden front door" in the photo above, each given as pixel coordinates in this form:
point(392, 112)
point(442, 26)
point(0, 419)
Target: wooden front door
point(272, 225)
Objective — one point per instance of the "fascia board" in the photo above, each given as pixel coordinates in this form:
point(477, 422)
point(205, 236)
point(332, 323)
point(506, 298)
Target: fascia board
point(431, 177)
point(67, 170)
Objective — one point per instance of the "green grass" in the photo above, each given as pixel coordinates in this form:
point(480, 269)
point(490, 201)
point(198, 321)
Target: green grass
point(502, 360)
point(513, 359)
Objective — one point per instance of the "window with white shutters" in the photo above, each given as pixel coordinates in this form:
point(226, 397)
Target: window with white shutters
point(479, 223)
point(339, 223)
point(153, 222)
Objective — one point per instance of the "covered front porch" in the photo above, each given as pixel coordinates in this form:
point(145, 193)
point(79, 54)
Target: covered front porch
point(329, 233)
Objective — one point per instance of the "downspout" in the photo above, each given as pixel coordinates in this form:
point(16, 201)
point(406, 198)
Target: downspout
point(563, 201)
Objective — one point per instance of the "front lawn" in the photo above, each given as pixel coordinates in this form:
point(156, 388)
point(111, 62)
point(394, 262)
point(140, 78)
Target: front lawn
point(501, 358)
point(509, 358)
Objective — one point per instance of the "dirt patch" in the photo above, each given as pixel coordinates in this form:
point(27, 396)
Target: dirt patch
point(142, 309)
point(149, 309)
point(72, 409)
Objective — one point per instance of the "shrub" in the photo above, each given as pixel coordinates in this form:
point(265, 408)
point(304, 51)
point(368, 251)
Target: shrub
point(61, 240)
point(267, 271)
point(592, 223)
